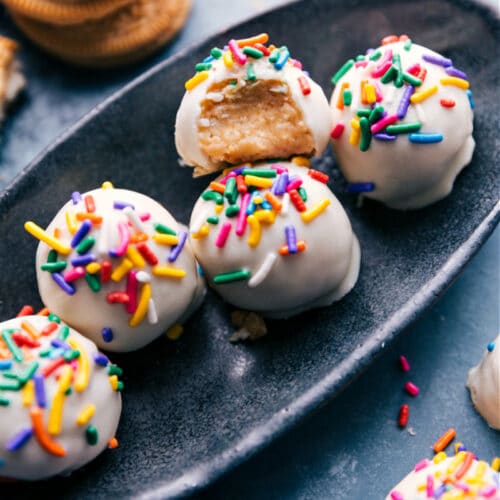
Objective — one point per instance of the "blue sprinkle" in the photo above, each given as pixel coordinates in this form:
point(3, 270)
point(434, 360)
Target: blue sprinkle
point(107, 334)
point(85, 227)
point(471, 100)
point(209, 59)
point(282, 59)
point(56, 353)
point(100, 359)
point(199, 269)
point(76, 197)
point(5, 364)
point(82, 260)
point(420, 138)
point(60, 344)
point(266, 205)
point(20, 439)
point(491, 346)
point(360, 187)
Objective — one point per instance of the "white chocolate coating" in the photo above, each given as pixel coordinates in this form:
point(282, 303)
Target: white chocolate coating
point(314, 107)
point(483, 382)
point(479, 478)
point(406, 175)
point(321, 274)
point(173, 299)
point(32, 461)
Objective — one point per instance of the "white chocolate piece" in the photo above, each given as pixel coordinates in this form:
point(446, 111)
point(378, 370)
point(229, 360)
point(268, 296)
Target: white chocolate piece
point(478, 478)
point(483, 382)
point(284, 285)
point(174, 298)
point(32, 461)
point(407, 175)
point(314, 107)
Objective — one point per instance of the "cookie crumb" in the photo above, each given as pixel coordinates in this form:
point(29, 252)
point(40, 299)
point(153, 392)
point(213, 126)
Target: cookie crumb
point(250, 326)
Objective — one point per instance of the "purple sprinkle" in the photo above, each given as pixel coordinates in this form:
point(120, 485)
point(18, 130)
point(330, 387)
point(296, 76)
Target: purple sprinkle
point(120, 205)
point(40, 390)
point(238, 170)
point(456, 72)
point(100, 359)
point(281, 184)
point(360, 187)
point(64, 285)
point(107, 334)
point(5, 364)
point(438, 60)
point(405, 101)
point(60, 344)
point(291, 239)
point(439, 492)
point(19, 440)
point(384, 137)
point(175, 251)
point(76, 197)
point(83, 260)
point(85, 227)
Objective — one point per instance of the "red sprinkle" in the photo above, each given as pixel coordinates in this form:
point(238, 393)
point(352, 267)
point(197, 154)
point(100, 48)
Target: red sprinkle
point(403, 362)
point(447, 103)
point(262, 48)
point(411, 389)
point(318, 176)
point(304, 85)
point(404, 413)
point(47, 330)
point(106, 267)
point(297, 200)
point(469, 458)
point(25, 311)
point(337, 131)
point(89, 203)
point(21, 339)
point(118, 298)
point(241, 184)
point(52, 366)
point(147, 253)
point(422, 74)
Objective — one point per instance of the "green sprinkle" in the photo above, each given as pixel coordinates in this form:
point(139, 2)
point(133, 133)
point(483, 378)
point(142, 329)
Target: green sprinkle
point(251, 75)
point(54, 267)
point(347, 97)
point(376, 113)
point(4, 401)
point(412, 80)
point(202, 66)
point(91, 435)
point(119, 386)
point(12, 346)
point(275, 54)
point(213, 220)
point(396, 61)
point(63, 332)
point(376, 55)
point(389, 75)
point(266, 173)
point(407, 45)
point(85, 245)
point(115, 370)
point(29, 372)
point(54, 318)
point(363, 112)
point(71, 355)
point(253, 52)
point(232, 211)
point(233, 83)
point(93, 282)
point(216, 53)
point(11, 375)
point(342, 71)
point(213, 196)
point(161, 228)
point(360, 57)
point(45, 352)
point(230, 191)
point(366, 135)
point(403, 128)
point(52, 256)
point(10, 385)
point(303, 193)
point(68, 391)
point(241, 274)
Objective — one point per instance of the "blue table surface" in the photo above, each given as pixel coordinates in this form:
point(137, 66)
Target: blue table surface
point(351, 448)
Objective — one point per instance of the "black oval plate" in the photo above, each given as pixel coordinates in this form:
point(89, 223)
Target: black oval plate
point(197, 407)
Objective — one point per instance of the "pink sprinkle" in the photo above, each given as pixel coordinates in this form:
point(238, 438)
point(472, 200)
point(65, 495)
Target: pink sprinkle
point(378, 92)
point(380, 70)
point(74, 365)
point(422, 464)
point(226, 177)
point(131, 305)
point(295, 184)
point(279, 168)
point(463, 487)
point(74, 274)
point(488, 491)
point(124, 240)
point(414, 69)
point(223, 234)
point(296, 63)
point(237, 53)
point(405, 366)
point(387, 57)
point(411, 389)
point(241, 223)
point(430, 486)
point(381, 124)
point(337, 131)
point(395, 495)
point(361, 64)
point(145, 216)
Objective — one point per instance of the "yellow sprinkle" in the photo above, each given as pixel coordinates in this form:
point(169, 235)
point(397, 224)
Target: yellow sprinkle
point(355, 124)
point(137, 259)
point(28, 393)
point(165, 239)
point(439, 457)
point(122, 269)
point(56, 412)
point(168, 272)
point(196, 80)
point(313, 212)
point(255, 232)
point(457, 446)
point(455, 81)
point(93, 267)
point(113, 380)
point(453, 495)
point(301, 161)
point(371, 96)
point(42, 235)
point(455, 462)
point(71, 221)
point(481, 469)
point(355, 137)
point(257, 200)
point(495, 464)
point(203, 231)
point(265, 216)
point(85, 415)
point(219, 209)
point(107, 185)
point(423, 94)
point(175, 331)
point(228, 59)
point(142, 305)
point(262, 182)
point(83, 372)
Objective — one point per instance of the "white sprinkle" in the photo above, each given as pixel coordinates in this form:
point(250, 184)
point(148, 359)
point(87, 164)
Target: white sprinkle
point(204, 122)
point(263, 270)
point(389, 97)
point(102, 243)
point(420, 113)
point(215, 96)
point(279, 89)
point(285, 204)
point(134, 219)
point(143, 277)
point(152, 316)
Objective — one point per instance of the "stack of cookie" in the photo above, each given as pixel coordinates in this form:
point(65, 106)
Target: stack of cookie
point(99, 33)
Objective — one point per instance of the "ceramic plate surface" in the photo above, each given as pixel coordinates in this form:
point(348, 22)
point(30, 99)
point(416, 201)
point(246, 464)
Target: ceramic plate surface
point(197, 407)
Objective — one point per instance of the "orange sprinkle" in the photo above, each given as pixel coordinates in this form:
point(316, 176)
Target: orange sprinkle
point(51, 327)
point(89, 203)
point(138, 237)
point(403, 38)
point(113, 443)
point(340, 100)
point(217, 186)
point(444, 440)
point(469, 458)
point(57, 232)
point(389, 39)
point(30, 329)
point(25, 311)
point(245, 42)
point(96, 219)
point(43, 312)
point(41, 434)
point(274, 201)
point(301, 246)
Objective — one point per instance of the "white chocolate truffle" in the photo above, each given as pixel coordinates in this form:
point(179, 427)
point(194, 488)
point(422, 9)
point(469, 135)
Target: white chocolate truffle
point(460, 476)
point(265, 250)
point(484, 385)
point(120, 271)
point(249, 103)
point(402, 124)
point(60, 399)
